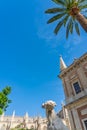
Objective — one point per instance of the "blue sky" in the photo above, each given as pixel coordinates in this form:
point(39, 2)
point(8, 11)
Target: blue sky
point(29, 55)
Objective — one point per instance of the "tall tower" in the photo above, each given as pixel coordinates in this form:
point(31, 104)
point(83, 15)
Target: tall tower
point(74, 79)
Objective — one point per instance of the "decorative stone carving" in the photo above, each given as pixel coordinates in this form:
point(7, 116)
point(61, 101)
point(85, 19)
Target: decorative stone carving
point(54, 122)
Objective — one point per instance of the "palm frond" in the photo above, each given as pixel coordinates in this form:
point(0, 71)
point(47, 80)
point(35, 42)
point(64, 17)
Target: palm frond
point(72, 1)
point(82, 7)
point(67, 1)
point(58, 27)
point(67, 31)
point(81, 1)
point(77, 28)
point(56, 17)
point(65, 19)
point(71, 25)
point(59, 2)
point(55, 10)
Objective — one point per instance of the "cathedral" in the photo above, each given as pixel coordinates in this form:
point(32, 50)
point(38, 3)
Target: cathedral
point(9, 122)
point(74, 108)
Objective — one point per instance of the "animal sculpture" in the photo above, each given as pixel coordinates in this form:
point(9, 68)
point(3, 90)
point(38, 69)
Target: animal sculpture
point(54, 122)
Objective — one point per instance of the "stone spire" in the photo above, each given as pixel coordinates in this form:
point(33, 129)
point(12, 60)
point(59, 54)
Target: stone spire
point(26, 115)
point(13, 113)
point(62, 64)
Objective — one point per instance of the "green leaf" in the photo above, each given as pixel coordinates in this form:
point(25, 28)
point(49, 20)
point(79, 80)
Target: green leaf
point(55, 10)
point(67, 1)
point(58, 16)
point(72, 1)
point(4, 101)
point(67, 30)
point(77, 28)
point(58, 27)
point(9, 101)
point(65, 19)
point(6, 90)
point(71, 25)
point(1, 111)
point(59, 2)
point(80, 1)
point(82, 7)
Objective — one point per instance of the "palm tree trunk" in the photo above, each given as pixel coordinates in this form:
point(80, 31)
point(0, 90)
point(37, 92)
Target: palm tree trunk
point(82, 20)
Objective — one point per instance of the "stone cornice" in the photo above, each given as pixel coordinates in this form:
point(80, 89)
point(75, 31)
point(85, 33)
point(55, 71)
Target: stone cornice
point(75, 64)
point(76, 102)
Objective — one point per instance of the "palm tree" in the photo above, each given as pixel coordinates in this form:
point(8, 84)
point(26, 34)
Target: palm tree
point(69, 13)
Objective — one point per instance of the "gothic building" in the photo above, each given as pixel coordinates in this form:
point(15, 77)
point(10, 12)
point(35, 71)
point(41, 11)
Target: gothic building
point(8, 122)
point(74, 79)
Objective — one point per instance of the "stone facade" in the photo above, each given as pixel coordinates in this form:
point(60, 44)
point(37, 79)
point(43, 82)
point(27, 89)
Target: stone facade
point(74, 79)
point(13, 121)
